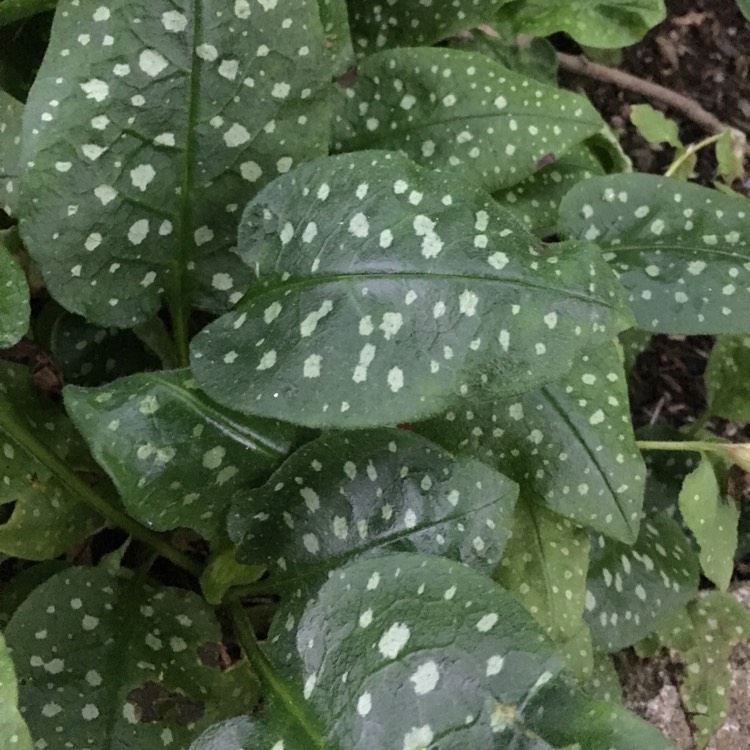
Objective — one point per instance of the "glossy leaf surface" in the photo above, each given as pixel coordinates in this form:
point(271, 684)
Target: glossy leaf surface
point(681, 250)
point(387, 292)
point(13, 730)
point(11, 114)
point(176, 458)
point(148, 128)
point(345, 494)
point(14, 300)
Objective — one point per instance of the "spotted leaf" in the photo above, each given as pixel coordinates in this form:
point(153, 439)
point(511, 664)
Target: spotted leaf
point(386, 292)
point(408, 651)
point(609, 24)
point(13, 730)
point(345, 494)
point(681, 250)
point(176, 458)
point(462, 112)
point(42, 517)
point(146, 128)
point(11, 113)
point(727, 387)
point(631, 591)
point(570, 445)
point(109, 663)
point(14, 300)
point(338, 40)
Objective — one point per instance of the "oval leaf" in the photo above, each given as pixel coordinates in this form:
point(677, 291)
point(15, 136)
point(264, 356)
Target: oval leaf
point(14, 300)
point(727, 385)
point(13, 730)
point(11, 114)
point(681, 250)
point(167, 117)
point(387, 291)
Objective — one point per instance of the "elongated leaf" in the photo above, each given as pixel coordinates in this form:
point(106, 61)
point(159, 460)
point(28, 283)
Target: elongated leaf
point(632, 591)
point(14, 300)
point(569, 445)
point(46, 517)
point(128, 659)
point(13, 730)
point(176, 458)
point(604, 23)
point(680, 249)
point(727, 385)
point(387, 292)
point(712, 520)
point(147, 127)
point(11, 113)
point(345, 494)
point(333, 16)
point(479, 120)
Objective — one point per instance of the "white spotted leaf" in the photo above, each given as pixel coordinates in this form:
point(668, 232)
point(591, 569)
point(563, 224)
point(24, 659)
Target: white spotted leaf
point(109, 663)
point(42, 517)
point(570, 445)
point(387, 292)
point(413, 652)
point(462, 112)
point(346, 494)
point(11, 114)
point(13, 730)
point(632, 590)
point(681, 250)
point(14, 300)
point(727, 386)
point(147, 129)
point(338, 40)
point(176, 458)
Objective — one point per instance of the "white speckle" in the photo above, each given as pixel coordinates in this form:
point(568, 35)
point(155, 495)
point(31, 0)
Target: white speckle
point(425, 678)
point(228, 69)
point(267, 361)
point(364, 704)
point(102, 14)
point(366, 357)
point(138, 231)
point(165, 139)
point(309, 686)
point(311, 367)
point(386, 239)
point(391, 324)
point(311, 543)
point(498, 260)
point(105, 193)
point(310, 323)
point(516, 412)
point(597, 417)
point(142, 176)
point(359, 226)
point(468, 303)
point(280, 90)
point(494, 665)
point(152, 62)
point(395, 379)
point(174, 21)
point(222, 281)
point(95, 89)
point(202, 236)
point(393, 640)
point(551, 320)
point(236, 136)
point(250, 171)
point(207, 52)
point(418, 738)
point(487, 623)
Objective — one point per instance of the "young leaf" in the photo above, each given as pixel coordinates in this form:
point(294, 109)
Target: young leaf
point(109, 663)
point(727, 386)
point(176, 458)
point(13, 730)
point(480, 121)
point(14, 300)
point(345, 494)
point(712, 520)
point(654, 126)
point(633, 590)
point(11, 113)
point(569, 445)
point(42, 517)
point(165, 120)
point(730, 157)
point(388, 292)
point(680, 249)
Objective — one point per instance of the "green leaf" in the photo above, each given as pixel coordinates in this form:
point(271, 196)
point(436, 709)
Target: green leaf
point(388, 292)
point(13, 730)
point(11, 114)
point(680, 249)
point(14, 300)
point(462, 112)
point(544, 565)
point(569, 445)
point(604, 23)
point(632, 590)
point(167, 118)
point(108, 663)
point(223, 571)
point(727, 386)
point(338, 40)
point(42, 517)
point(712, 520)
point(730, 157)
point(398, 651)
point(744, 6)
point(18, 588)
point(345, 494)
point(176, 458)
point(604, 683)
point(654, 126)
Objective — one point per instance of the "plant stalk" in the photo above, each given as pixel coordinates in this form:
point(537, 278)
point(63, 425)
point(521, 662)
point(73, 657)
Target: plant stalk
point(684, 445)
point(12, 11)
point(691, 150)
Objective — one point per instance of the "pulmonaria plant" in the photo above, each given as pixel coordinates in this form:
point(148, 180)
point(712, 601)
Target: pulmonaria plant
point(345, 436)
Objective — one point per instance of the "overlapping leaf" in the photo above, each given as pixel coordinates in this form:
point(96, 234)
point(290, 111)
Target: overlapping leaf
point(727, 385)
point(176, 458)
point(11, 113)
point(460, 111)
point(388, 292)
point(14, 300)
point(570, 445)
point(43, 517)
point(13, 730)
point(334, 17)
point(680, 249)
point(345, 494)
point(148, 128)
point(108, 663)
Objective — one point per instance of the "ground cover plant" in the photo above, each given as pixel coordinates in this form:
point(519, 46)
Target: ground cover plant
point(316, 324)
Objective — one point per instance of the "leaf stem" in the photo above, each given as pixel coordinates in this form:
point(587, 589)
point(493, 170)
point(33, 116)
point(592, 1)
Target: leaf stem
point(691, 150)
point(682, 445)
point(180, 333)
point(16, 10)
point(268, 675)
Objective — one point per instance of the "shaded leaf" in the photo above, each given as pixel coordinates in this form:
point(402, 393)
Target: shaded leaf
point(388, 292)
point(222, 572)
point(345, 494)
point(727, 385)
point(13, 730)
point(730, 157)
point(462, 112)
point(176, 457)
point(604, 683)
point(654, 126)
point(42, 516)
point(338, 40)
point(126, 658)
point(17, 589)
point(631, 591)
point(168, 118)
point(11, 113)
point(14, 300)
point(680, 249)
